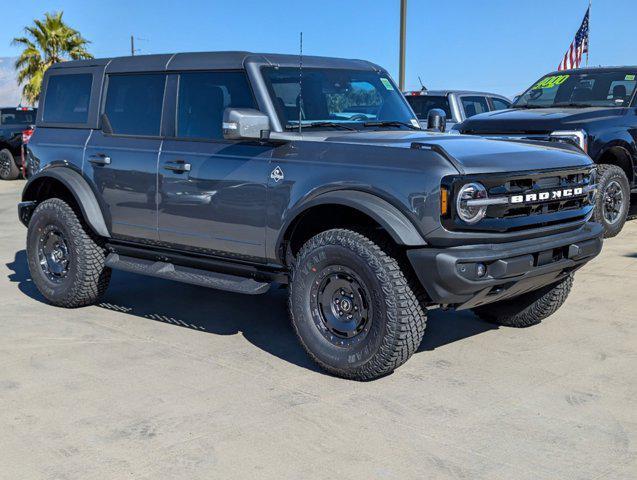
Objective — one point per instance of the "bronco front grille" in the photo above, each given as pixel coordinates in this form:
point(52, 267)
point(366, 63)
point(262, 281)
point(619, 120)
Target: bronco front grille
point(523, 203)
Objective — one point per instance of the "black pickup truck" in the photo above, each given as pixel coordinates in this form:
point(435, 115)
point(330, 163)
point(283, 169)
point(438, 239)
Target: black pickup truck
point(15, 123)
point(235, 170)
point(593, 108)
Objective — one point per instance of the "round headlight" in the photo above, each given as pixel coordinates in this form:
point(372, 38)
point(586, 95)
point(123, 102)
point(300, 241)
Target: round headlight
point(469, 213)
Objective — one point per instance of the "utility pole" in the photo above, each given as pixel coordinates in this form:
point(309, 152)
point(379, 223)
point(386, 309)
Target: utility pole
point(132, 45)
point(403, 42)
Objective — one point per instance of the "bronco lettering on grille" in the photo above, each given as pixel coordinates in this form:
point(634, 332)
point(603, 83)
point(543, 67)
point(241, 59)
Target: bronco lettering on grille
point(552, 195)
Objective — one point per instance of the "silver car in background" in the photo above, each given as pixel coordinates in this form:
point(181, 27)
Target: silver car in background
point(458, 105)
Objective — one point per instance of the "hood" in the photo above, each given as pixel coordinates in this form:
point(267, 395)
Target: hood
point(537, 120)
point(474, 155)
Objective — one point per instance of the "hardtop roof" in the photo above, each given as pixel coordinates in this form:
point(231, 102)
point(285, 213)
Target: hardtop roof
point(456, 92)
point(212, 60)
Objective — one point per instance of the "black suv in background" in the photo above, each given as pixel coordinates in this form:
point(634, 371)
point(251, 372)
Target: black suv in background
point(235, 170)
point(15, 124)
point(593, 108)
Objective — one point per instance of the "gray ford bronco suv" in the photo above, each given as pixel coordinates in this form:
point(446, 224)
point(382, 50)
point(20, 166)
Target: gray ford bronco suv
point(235, 170)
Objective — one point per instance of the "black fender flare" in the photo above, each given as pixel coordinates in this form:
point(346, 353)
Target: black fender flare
point(627, 144)
point(79, 188)
point(399, 227)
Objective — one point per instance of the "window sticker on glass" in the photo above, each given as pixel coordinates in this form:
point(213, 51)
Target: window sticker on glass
point(629, 78)
point(387, 83)
point(550, 82)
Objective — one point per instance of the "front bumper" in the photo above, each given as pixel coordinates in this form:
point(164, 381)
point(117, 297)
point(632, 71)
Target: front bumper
point(450, 275)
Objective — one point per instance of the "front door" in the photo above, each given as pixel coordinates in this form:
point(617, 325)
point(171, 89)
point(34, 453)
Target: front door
point(123, 164)
point(212, 192)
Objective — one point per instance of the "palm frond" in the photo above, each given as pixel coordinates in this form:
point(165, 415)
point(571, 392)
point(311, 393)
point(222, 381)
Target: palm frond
point(47, 41)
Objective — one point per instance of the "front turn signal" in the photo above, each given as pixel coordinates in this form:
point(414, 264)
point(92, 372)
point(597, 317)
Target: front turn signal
point(444, 201)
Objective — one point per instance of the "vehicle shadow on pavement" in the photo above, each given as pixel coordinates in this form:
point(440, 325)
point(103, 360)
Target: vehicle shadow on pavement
point(262, 319)
point(21, 275)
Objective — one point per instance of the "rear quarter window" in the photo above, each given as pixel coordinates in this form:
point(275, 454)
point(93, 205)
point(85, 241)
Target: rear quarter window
point(67, 98)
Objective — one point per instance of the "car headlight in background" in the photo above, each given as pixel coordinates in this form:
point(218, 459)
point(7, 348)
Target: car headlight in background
point(468, 203)
point(579, 138)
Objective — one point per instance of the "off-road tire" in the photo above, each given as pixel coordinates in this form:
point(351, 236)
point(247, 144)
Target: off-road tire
point(87, 278)
point(528, 309)
point(8, 168)
point(396, 325)
point(606, 175)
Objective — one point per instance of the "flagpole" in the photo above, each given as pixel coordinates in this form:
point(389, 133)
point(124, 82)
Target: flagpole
point(588, 49)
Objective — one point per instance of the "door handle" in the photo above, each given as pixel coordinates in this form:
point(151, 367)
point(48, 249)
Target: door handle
point(100, 159)
point(178, 166)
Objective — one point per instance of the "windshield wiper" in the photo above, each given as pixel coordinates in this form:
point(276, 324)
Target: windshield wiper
point(528, 106)
point(391, 123)
point(319, 125)
point(572, 105)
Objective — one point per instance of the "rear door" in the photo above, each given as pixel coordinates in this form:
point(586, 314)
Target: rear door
point(123, 164)
point(212, 192)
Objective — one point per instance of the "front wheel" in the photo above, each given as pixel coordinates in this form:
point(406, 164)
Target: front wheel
point(613, 199)
point(8, 168)
point(65, 260)
point(528, 309)
point(352, 307)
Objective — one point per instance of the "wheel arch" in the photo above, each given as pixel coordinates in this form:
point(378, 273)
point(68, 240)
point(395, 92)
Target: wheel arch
point(353, 207)
point(618, 153)
point(60, 181)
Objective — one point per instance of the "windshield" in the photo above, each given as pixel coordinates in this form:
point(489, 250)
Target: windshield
point(13, 116)
point(596, 89)
point(422, 104)
point(336, 96)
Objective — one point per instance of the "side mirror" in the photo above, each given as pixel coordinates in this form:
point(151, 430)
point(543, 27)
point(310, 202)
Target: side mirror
point(437, 120)
point(245, 123)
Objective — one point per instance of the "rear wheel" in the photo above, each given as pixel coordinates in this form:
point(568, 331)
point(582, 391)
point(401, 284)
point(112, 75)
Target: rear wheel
point(65, 260)
point(613, 199)
point(352, 307)
point(8, 168)
point(528, 309)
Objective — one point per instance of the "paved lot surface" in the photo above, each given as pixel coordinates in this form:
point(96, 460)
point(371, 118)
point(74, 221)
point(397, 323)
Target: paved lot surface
point(169, 381)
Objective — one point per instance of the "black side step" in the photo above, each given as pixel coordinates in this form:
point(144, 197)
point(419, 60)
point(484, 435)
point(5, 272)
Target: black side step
point(194, 276)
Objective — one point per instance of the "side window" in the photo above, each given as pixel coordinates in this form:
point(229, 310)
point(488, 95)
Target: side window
point(621, 91)
point(422, 104)
point(67, 98)
point(474, 105)
point(203, 96)
point(500, 104)
point(134, 103)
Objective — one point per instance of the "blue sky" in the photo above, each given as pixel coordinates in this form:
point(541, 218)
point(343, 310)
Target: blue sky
point(497, 45)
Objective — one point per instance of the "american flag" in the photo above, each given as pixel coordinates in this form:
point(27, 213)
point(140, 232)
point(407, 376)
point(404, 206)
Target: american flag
point(578, 48)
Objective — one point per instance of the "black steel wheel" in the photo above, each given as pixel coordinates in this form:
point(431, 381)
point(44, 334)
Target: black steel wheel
point(53, 254)
point(613, 199)
point(8, 168)
point(342, 309)
point(613, 202)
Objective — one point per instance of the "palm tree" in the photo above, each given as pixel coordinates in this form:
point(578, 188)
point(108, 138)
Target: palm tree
point(47, 42)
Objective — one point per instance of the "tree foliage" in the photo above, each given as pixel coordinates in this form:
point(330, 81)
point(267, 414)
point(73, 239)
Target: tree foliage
point(46, 42)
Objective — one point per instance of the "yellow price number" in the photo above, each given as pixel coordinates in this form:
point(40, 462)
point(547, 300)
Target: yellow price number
point(550, 82)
